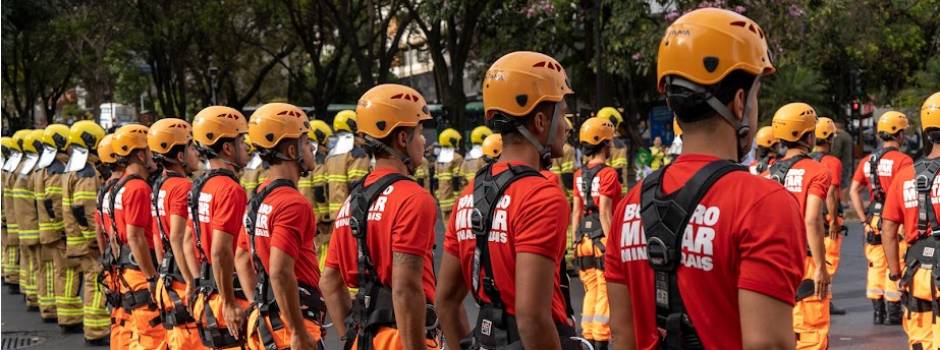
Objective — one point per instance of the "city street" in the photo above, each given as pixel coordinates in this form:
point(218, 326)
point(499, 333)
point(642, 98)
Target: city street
point(852, 331)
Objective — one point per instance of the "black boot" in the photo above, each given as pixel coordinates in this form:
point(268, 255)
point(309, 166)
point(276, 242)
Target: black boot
point(833, 310)
point(894, 312)
point(97, 342)
point(72, 328)
point(13, 289)
point(600, 345)
point(879, 306)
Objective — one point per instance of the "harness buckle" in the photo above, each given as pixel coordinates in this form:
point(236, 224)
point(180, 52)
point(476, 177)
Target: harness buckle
point(476, 222)
point(354, 227)
point(657, 252)
point(923, 183)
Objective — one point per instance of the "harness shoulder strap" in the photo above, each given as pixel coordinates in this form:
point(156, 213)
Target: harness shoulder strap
point(817, 156)
point(778, 171)
point(194, 203)
point(113, 195)
point(877, 188)
point(360, 199)
point(487, 190)
point(665, 218)
point(924, 176)
point(587, 186)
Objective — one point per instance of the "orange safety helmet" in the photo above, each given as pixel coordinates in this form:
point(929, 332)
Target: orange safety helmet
point(825, 128)
point(519, 81)
point(129, 138)
point(493, 146)
point(705, 45)
point(277, 121)
point(388, 106)
point(168, 133)
point(106, 151)
point(930, 112)
point(216, 122)
point(596, 130)
point(892, 122)
point(765, 137)
point(794, 120)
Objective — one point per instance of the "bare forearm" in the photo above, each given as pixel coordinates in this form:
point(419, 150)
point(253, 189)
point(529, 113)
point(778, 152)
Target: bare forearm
point(138, 243)
point(815, 238)
point(889, 240)
point(408, 299)
point(177, 233)
point(336, 297)
point(538, 332)
point(284, 286)
point(223, 266)
point(832, 205)
point(449, 298)
point(247, 277)
point(857, 204)
point(190, 254)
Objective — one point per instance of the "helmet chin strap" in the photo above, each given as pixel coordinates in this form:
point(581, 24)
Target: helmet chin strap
point(741, 128)
point(394, 152)
point(545, 151)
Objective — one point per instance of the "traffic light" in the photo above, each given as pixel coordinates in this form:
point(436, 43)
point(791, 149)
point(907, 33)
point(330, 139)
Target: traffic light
point(856, 109)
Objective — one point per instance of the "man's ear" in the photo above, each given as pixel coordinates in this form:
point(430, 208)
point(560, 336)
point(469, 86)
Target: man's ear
point(737, 107)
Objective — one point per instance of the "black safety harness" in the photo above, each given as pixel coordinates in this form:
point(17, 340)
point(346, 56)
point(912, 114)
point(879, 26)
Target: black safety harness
point(923, 252)
point(210, 332)
point(168, 269)
point(590, 224)
point(108, 261)
point(126, 260)
point(877, 203)
point(311, 301)
point(665, 218)
point(495, 328)
point(373, 307)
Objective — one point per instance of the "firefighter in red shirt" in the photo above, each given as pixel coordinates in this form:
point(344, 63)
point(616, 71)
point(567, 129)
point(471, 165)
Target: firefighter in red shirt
point(112, 171)
point(132, 220)
point(809, 181)
point(913, 200)
point(834, 226)
point(388, 218)
point(767, 151)
point(698, 225)
point(877, 171)
point(217, 205)
point(287, 309)
point(505, 241)
point(596, 193)
point(171, 143)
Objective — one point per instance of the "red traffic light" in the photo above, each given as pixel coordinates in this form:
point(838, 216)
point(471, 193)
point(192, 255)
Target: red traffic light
point(855, 106)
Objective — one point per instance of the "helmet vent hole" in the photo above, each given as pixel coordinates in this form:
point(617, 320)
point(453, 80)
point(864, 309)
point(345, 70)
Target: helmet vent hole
point(210, 135)
point(539, 64)
point(381, 125)
point(424, 109)
point(269, 137)
point(739, 23)
point(711, 63)
point(162, 144)
point(397, 96)
point(522, 100)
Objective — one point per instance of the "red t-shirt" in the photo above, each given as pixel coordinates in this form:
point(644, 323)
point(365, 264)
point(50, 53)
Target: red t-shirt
point(551, 177)
point(132, 207)
point(889, 165)
point(401, 220)
point(605, 183)
point(173, 200)
point(902, 200)
point(284, 222)
point(806, 177)
point(531, 217)
point(834, 164)
point(222, 205)
point(757, 246)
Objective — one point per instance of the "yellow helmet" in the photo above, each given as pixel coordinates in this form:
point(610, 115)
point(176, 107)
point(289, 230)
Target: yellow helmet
point(217, 122)
point(825, 128)
point(319, 131)
point(794, 120)
point(32, 141)
point(493, 146)
point(128, 138)
point(930, 112)
point(596, 130)
point(519, 81)
point(56, 136)
point(345, 120)
point(251, 146)
point(167, 133)
point(479, 134)
point(765, 137)
point(8, 143)
point(676, 129)
point(892, 122)
point(449, 138)
point(86, 133)
point(274, 122)
point(612, 114)
point(106, 151)
point(704, 45)
point(19, 137)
